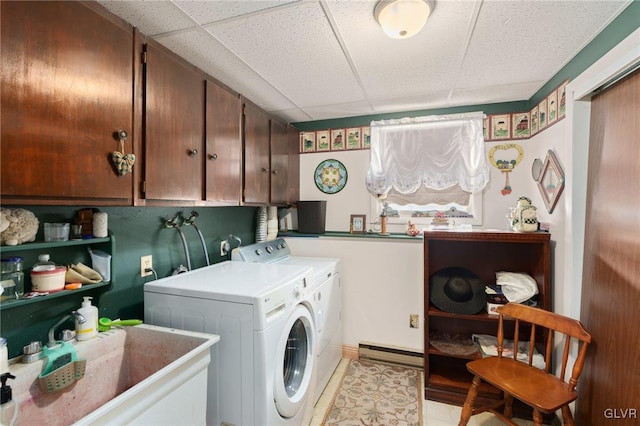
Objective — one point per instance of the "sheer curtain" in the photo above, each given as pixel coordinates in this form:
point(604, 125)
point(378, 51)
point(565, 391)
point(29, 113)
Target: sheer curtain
point(434, 152)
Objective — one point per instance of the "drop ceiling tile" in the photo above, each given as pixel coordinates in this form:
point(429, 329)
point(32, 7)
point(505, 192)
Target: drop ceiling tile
point(436, 99)
point(295, 50)
point(516, 41)
point(200, 49)
point(494, 94)
point(206, 12)
point(348, 109)
point(392, 68)
point(151, 17)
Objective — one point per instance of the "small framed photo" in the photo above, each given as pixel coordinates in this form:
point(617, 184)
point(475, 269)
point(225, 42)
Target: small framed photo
point(500, 126)
point(358, 223)
point(353, 138)
point(485, 128)
point(552, 107)
point(562, 100)
point(322, 140)
point(542, 114)
point(366, 137)
point(307, 141)
point(534, 120)
point(337, 139)
point(520, 125)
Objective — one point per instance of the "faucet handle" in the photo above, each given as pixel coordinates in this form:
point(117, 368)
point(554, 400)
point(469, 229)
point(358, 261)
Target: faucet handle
point(32, 348)
point(67, 335)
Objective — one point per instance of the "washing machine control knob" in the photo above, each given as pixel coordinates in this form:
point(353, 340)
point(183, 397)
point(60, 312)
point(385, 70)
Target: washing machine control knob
point(282, 245)
point(269, 249)
point(296, 290)
point(258, 252)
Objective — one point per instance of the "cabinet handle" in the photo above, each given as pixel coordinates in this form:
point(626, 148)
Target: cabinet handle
point(264, 169)
point(213, 156)
point(193, 152)
point(275, 172)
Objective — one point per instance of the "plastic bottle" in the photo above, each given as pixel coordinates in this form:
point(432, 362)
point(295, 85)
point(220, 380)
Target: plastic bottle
point(89, 328)
point(8, 404)
point(44, 263)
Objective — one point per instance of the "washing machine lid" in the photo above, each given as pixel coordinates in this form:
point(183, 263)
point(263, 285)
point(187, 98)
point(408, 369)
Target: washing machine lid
point(322, 266)
point(240, 282)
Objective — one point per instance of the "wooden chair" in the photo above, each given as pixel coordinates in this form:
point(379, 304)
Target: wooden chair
point(540, 389)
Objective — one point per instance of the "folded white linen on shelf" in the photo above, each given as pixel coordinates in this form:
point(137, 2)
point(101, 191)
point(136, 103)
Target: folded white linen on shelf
point(517, 287)
point(489, 347)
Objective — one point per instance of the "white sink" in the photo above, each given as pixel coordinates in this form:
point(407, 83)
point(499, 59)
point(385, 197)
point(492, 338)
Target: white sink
point(143, 375)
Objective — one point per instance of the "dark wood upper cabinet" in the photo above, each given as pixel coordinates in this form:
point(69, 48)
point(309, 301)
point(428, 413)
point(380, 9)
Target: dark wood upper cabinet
point(174, 110)
point(67, 87)
point(294, 164)
point(223, 146)
point(256, 155)
point(279, 163)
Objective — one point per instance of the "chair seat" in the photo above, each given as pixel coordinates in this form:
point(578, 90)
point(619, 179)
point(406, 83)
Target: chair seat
point(531, 385)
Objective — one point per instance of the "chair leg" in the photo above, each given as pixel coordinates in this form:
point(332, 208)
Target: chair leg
point(508, 405)
point(567, 418)
point(467, 408)
point(537, 418)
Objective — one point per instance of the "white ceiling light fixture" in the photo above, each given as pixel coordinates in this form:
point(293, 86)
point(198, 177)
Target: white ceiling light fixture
point(403, 18)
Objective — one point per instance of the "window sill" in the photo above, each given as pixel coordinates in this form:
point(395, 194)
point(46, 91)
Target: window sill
point(367, 235)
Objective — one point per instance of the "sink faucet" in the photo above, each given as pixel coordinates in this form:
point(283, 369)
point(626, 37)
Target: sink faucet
point(78, 316)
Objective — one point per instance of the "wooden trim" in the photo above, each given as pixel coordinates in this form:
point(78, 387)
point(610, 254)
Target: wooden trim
point(350, 352)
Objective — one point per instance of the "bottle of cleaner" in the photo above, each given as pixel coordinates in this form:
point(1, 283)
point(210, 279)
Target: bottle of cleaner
point(89, 328)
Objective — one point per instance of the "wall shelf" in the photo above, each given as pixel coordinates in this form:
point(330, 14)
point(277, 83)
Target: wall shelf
point(62, 252)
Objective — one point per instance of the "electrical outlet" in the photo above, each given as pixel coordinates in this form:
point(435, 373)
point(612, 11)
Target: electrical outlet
point(224, 247)
point(146, 262)
point(413, 321)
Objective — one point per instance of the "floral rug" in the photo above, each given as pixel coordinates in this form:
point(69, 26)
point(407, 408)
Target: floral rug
point(377, 394)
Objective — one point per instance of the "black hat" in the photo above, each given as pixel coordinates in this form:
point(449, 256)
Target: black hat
point(457, 290)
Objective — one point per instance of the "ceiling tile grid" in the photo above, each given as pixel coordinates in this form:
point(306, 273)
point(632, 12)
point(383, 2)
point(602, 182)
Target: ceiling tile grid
point(305, 60)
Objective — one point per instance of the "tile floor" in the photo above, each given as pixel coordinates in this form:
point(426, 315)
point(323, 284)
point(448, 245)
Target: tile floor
point(433, 413)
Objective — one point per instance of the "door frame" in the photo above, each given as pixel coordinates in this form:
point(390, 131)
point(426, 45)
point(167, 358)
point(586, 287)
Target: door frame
point(579, 92)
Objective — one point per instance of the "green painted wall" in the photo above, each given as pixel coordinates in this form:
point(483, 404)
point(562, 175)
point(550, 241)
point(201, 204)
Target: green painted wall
point(626, 23)
point(138, 231)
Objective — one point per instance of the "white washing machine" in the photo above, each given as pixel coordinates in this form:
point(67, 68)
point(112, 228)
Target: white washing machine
point(327, 300)
point(262, 369)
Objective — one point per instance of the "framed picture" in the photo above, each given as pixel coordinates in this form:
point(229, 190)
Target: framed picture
point(322, 140)
point(366, 137)
point(485, 128)
point(542, 114)
point(534, 121)
point(552, 107)
point(551, 181)
point(520, 125)
point(500, 126)
point(307, 141)
point(562, 100)
point(353, 138)
point(337, 139)
point(358, 223)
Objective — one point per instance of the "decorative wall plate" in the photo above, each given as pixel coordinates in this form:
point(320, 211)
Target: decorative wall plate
point(330, 176)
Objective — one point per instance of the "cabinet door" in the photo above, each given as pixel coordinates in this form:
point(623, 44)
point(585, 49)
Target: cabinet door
point(294, 164)
point(174, 127)
point(224, 146)
point(67, 87)
point(256, 155)
point(279, 163)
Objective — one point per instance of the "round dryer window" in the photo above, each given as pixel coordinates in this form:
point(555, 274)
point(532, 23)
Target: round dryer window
point(330, 176)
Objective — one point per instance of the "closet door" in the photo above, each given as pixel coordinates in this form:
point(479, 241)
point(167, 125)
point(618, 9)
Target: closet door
point(611, 274)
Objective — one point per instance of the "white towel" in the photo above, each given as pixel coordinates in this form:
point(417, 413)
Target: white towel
point(517, 287)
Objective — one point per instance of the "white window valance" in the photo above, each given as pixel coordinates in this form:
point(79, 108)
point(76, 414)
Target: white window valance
point(436, 152)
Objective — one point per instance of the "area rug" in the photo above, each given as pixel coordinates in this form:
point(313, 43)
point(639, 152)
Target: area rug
point(377, 394)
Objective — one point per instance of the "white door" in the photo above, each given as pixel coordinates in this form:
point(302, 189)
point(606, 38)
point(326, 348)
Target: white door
point(294, 363)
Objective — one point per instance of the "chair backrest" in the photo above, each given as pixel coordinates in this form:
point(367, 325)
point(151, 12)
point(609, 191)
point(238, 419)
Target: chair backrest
point(546, 324)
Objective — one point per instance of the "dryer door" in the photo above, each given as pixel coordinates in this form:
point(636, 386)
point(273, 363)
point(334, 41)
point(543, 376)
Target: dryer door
point(294, 363)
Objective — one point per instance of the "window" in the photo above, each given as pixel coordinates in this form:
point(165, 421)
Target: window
point(428, 167)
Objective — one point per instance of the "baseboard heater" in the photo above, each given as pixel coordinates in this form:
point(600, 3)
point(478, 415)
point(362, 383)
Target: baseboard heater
point(373, 352)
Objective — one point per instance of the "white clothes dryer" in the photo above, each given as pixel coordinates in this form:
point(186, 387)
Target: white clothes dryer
point(262, 370)
point(327, 300)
